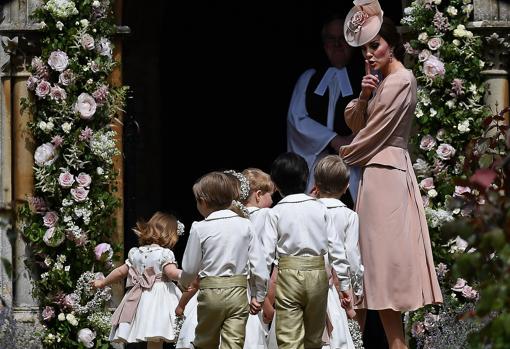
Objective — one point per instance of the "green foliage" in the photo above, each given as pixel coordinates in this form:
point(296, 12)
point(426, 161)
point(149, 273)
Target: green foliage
point(72, 209)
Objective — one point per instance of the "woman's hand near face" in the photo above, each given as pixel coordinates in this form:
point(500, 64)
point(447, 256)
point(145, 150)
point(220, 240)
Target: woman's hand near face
point(368, 84)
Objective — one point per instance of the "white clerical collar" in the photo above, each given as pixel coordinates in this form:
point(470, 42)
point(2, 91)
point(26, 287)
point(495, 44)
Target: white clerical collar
point(336, 76)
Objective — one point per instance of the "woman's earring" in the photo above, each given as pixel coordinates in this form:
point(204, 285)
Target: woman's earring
point(391, 56)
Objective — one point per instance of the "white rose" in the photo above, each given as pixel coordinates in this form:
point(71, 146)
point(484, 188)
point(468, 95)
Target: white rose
point(456, 42)
point(452, 11)
point(66, 127)
point(423, 37)
point(463, 127)
point(45, 154)
point(99, 171)
point(96, 3)
point(58, 60)
point(59, 25)
point(86, 337)
point(84, 23)
point(61, 317)
point(85, 105)
point(432, 193)
point(450, 104)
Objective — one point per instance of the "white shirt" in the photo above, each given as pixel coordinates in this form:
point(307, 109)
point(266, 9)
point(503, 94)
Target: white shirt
point(224, 244)
point(347, 225)
point(258, 218)
point(299, 225)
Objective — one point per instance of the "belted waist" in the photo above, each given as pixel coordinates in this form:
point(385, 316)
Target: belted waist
point(302, 262)
point(224, 281)
point(397, 141)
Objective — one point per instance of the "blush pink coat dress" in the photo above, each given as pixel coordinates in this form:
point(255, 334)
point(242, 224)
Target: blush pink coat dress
point(394, 238)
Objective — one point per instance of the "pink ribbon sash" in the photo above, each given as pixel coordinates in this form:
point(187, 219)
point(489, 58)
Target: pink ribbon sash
point(126, 310)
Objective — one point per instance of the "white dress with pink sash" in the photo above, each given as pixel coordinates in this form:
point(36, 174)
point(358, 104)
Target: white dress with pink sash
point(147, 311)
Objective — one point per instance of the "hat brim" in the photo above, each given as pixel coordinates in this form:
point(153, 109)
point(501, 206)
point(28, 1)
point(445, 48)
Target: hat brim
point(369, 29)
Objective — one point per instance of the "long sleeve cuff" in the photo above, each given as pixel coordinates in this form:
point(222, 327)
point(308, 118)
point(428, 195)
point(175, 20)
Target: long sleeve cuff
point(345, 285)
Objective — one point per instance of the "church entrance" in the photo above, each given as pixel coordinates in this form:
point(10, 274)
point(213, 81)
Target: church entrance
point(210, 86)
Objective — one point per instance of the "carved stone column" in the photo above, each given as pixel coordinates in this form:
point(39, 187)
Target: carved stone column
point(17, 34)
point(492, 23)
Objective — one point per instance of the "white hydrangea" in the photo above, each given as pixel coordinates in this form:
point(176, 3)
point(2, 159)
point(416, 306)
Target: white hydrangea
point(61, 8)
point(463, 126)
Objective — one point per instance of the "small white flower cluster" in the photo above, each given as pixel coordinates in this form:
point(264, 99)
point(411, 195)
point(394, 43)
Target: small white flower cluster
point(61, 8)
point(244, 183)
point(180, 228)
point(436, 218)
point(94, 299)
point(103, 145)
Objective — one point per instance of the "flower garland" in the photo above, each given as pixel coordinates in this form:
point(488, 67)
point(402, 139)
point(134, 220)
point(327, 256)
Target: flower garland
point(449, 114)
point(68, 222)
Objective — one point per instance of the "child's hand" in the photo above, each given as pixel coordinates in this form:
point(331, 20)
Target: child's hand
point(254, 306)
point(267, 311)
point(98, 283)
point(179, 311)
point(345, 299)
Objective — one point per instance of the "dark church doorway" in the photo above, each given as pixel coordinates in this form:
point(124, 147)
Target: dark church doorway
point(210, 86)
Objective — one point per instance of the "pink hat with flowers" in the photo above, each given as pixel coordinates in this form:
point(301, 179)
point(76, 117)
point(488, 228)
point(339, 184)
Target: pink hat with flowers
point(363, 22)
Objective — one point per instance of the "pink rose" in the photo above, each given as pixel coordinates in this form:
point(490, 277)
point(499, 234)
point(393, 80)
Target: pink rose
point(66, 77)
point(459, 285)
point(460, 191)
point(358, 19)
point(469, 293)
point(87, 42)
point(79, 194)
point(445, 151)
point(103, 251)
point(32, 83)
point(48, 313)
point(57, 93)
point(66, 179)
point(85, 106)
point(50, 219)
point(435, 43)
point(433, 67)
point(43, 88)
point(424, 55)
point(427, 142)
point(83, 179)
point(58, 60)
point(427, 184)
point(70, 300)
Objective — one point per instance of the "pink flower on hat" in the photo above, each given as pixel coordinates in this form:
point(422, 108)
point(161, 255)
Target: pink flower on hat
point(358, 19)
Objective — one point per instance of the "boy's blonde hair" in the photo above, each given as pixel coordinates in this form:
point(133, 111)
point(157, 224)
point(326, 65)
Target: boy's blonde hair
point(161, 229)
point(259, 180)
point(331, 175)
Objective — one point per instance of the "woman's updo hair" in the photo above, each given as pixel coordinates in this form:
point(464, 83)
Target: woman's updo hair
point(389, 33)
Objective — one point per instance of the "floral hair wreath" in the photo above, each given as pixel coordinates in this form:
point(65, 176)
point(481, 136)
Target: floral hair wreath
point(245, 185)
point(180, 228)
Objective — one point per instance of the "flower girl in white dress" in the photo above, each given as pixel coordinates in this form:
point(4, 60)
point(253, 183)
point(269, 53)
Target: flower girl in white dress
point(147, 311)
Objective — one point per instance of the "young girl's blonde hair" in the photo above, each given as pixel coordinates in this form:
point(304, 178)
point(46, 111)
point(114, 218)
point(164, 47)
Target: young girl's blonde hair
point(218, 190)
point(259, 180)
point(161, 229)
